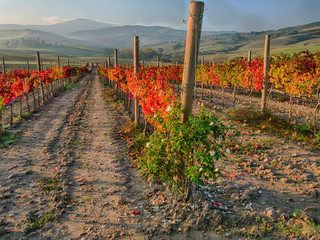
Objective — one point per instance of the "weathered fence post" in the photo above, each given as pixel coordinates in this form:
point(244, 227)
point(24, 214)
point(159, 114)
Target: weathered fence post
point(191, 56)
point(249, 55)
point(136, 71)
point(116, 57)
point(58, 61)
point(28, 67)
point(158, 61)
point(39, 69)
point(265, 75)
point(116, 65)
point(3, 65)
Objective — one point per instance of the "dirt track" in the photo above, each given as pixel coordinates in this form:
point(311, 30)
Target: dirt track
point(68, 177)
point(75, 141)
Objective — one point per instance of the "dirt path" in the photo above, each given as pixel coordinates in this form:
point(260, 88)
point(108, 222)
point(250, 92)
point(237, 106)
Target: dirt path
point(68, 177)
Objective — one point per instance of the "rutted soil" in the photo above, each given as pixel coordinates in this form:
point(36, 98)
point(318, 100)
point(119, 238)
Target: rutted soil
point(69, 177)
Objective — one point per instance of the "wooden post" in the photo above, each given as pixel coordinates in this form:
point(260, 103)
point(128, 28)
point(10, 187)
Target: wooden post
point(249, 55)
point(39, 69)
point(265, 74)
point(106, 63)
point(3, 65)
point(28, 67)
point(58, 61)
point(158, 61)
point(116, 65)
point(68, 63)
point(202, 85)
point(136, 71)
point(191, 56)
point(1, 128)
point(116, 57)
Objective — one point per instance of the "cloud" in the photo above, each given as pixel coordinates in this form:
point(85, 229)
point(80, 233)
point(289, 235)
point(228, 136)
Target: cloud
point(54, 20)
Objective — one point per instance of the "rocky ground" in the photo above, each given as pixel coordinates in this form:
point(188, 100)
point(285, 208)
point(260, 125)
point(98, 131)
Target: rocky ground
point(69, 177)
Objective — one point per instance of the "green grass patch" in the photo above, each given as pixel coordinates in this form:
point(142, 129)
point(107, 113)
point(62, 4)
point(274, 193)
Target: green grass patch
point(7, 138)
point(36, 220)
point(272, 124)
point(299, 226)
point(50, 184)
point(71, 85)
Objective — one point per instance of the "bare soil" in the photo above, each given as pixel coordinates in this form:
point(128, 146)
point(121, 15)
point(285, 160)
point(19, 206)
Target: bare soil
point(69, 177)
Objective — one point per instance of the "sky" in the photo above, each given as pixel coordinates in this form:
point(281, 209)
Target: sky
point(219, 15)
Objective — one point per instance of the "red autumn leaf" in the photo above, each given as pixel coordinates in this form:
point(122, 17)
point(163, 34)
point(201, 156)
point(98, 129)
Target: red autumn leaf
point(135, 212)
point(242, 174)
point(97, 151)
point(98, 147)
point(149, 195)
point(81, 180)
point(231, 175)
point(217, 204)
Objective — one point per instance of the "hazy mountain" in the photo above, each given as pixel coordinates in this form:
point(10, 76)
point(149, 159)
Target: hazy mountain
point(29, 35)
point(94, 36)
point(63, 28)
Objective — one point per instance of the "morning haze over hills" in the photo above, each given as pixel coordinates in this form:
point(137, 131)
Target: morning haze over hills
point(84, 37)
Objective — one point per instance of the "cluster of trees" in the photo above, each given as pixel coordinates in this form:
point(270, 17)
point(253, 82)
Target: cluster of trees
point(30, 42)
point(146, 54)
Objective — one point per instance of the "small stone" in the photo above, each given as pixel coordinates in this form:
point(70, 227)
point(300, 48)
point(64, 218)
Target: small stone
point(28, 172)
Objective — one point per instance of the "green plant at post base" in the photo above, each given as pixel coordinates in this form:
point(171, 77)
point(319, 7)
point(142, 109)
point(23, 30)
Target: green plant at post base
point(180, 154)
point(318, 138)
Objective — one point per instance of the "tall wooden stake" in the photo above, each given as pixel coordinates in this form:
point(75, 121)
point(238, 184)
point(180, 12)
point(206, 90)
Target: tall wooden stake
point(158, 61)
point(191, 56)
point(39, 69)
point(3, 65)
point(265, 74)
point(116, 57)
point(109, 62)
point(58, 61)
point(28, 67)
point(249, 55)
point(136, 71)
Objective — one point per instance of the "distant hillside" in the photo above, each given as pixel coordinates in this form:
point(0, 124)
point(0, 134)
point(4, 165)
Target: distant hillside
point(63, 28)
point(223, 46)
point(123, 36)
point(81, 35)
point(25, 40)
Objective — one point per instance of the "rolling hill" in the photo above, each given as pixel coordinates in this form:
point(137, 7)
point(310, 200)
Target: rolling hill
point(84, 37)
